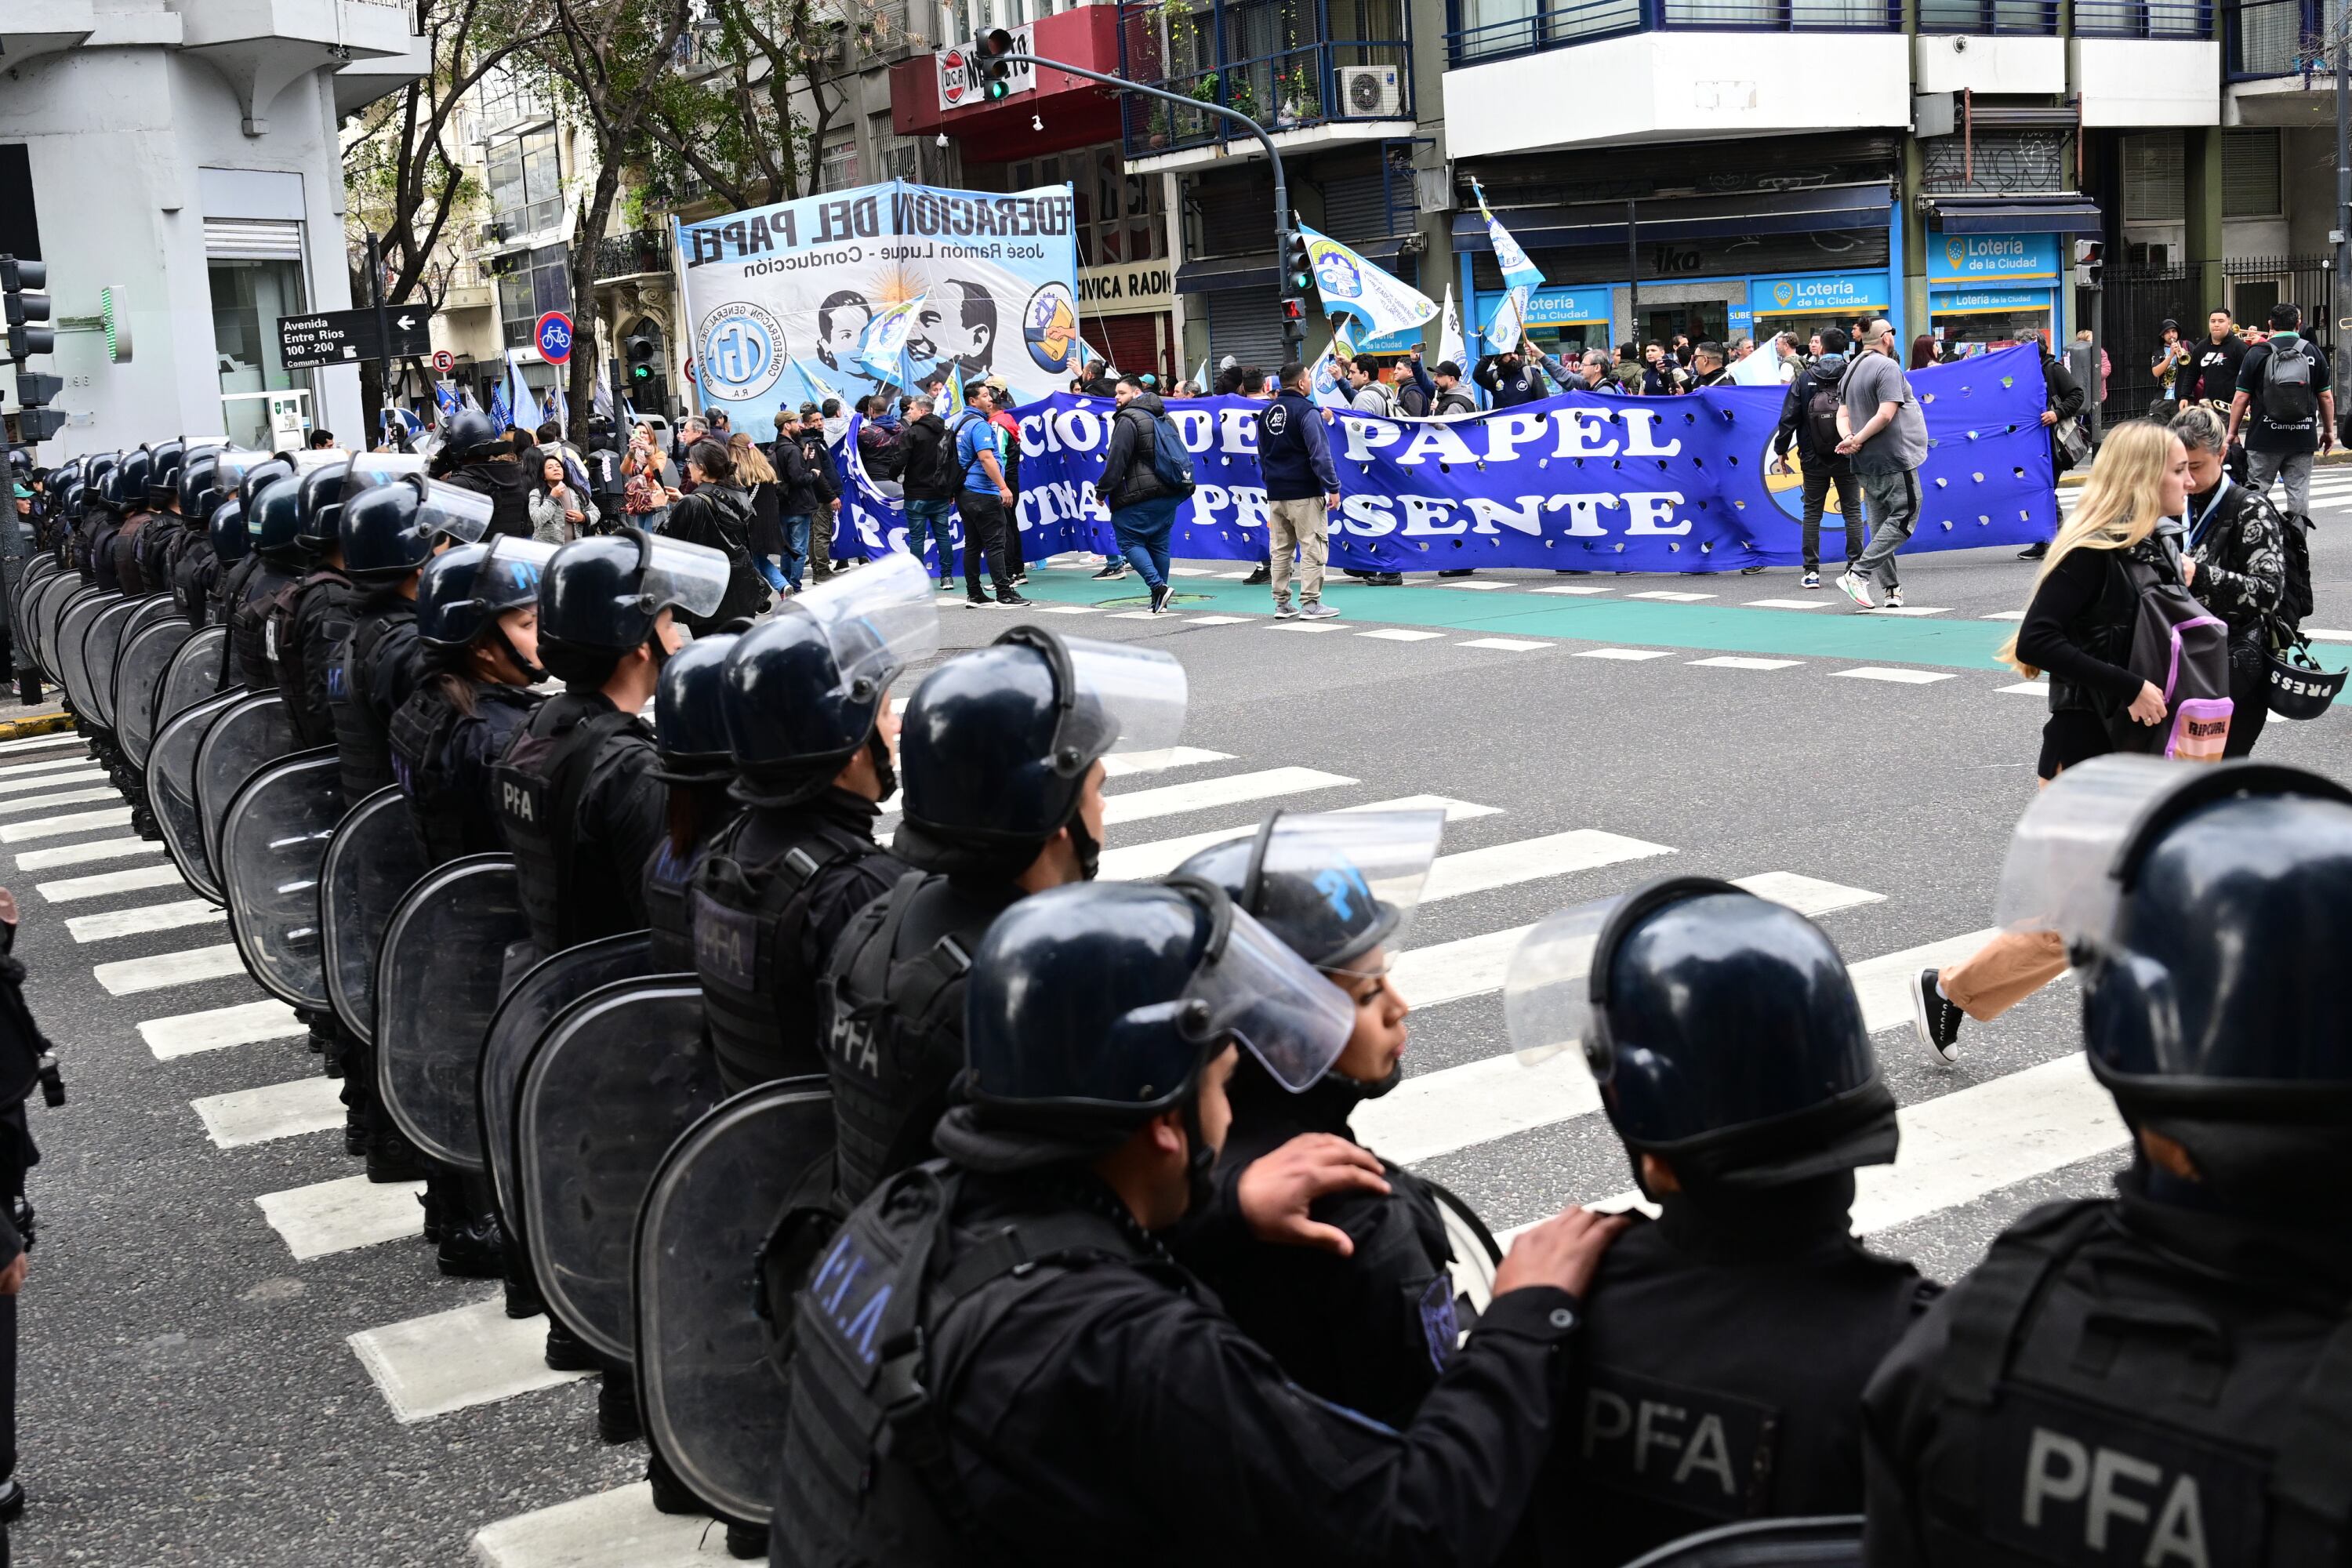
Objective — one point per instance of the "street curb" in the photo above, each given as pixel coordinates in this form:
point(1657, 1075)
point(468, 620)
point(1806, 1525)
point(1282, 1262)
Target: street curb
point(38, 724)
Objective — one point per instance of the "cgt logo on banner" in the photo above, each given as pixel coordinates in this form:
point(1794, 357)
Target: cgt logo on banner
point(1604, 484)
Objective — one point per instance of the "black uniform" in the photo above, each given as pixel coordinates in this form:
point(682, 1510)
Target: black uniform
point(509, 488)
point(581, 811)
point(1095, 1405)
point(890, 1019)
point(773, 893)
point(669, 891)
point(2124, 1382)
point(305, 634)
point(257, 596)
point(366, 686)
point(1683, 1425)
point(1372, 1330)
point(21, 1047)
point(195, 578)
point(442, 758)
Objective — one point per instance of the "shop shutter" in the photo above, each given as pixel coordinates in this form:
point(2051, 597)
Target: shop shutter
point(1136, 343)
point(1356, 207)
point(2153, 177)
point(1247, 324)
point(2250, 185)
point(253, 239)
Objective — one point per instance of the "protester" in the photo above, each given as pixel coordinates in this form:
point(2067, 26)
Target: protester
point(1631, 375)
point(2287, 409)
point(986, 500)
point(835, 422)
point(717, 514)
point(559, 513)
point(2078, 629)
point(1660, 376)
point(1887, 444)
point(881, 442)
point(1510, 378)
point(645, 494)
point(1016, 566)
point(1302, 489)
point(930, 482)
point(1593, 374)
point(824, 495)
point(757, 475)
point(2062, 416)
point(2085, 352)
point(1923, 352)
point(2212, 375)
point(2238, 543)
point(2172, 358)
point(1142, 508)
point(1451, 398)
point(1809, 420)
point(1707, 367)
point(1366, 391)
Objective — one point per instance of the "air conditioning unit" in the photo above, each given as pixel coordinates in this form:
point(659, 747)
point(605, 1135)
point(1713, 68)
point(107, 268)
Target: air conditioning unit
point(1370, 92)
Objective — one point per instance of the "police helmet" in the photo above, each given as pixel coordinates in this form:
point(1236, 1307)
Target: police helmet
point(263, 470)
point(802, 691)
point(602, 596)
point(1331, 885)
point(469, 433)
point(196, 480)
point(995, 746)
point(1722, 1028)
point(225, 528)
point(273, 517)
point(1094, 1006)
point(126, 482)
point(93, 476)
point(463, 591)
point(690, 711)
point(318, 515)
point(389, 530)
point(163, 462)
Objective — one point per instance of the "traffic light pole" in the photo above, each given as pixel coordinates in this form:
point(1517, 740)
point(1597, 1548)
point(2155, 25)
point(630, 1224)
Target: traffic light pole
point(1292, 344)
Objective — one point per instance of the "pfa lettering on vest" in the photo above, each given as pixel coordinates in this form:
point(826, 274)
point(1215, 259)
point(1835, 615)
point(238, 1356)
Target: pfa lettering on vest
point(2071, 1485)
point(1694, 1448)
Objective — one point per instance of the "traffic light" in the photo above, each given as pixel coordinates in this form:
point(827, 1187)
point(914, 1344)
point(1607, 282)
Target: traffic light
point(993, 55)
point(1297, 271)
point(640, 350)
point(19, 283)
point(1294, 310)
point(2090, 262)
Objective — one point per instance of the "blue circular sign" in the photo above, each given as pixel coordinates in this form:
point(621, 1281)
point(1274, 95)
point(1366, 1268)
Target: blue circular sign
point(553, 335)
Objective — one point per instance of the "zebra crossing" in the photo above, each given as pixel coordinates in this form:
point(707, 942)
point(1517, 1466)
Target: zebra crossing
point(1466, 1108)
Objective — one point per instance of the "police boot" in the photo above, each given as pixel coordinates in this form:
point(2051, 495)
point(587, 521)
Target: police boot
point(616, 1406)
point(435, 1219)
point(671, 1495)
point(747, 1542)
point(566, 1352)
point(523, 1287)
point(391, 1157)
point(472, 1246)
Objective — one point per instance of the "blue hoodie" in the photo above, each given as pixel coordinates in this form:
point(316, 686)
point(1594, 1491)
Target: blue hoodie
point(1292, 451)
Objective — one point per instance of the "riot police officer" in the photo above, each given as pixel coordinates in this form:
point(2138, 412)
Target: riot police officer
point(810, 727)
point(163, 534)
point(482, 462)
point(696, 768)
point(125, 477)
point(1371, 1330)
point(1000, 760)
point(995, 1358)
point(127, 489)
point(230, 550)
point(1730, 1340)
point(195, 566)
point(310, 618)
point(273, 572)
point(2160, 1377)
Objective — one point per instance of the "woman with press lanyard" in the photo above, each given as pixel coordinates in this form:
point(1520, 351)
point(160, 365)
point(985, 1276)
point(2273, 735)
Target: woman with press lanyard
point(2078, 631)
point(2237, 541)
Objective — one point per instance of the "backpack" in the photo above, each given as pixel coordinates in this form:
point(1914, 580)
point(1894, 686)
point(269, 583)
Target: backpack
point(1410, 401)
point(1821, 417)
point(1170, 462)
point(2182, 649)
point(947, 466)
point(2286, 386)
point(2295, 602)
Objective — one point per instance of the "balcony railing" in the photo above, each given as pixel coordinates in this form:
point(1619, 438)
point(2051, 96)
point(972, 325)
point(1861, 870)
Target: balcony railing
point(1481, 31)
point(2022, 18)
point(627, 254)
point(2275, 39)
point(1278, 62)
point(2144, 18)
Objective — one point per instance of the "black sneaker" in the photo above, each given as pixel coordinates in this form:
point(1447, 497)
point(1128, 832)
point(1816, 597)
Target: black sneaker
point(12, 1500)
point(1259, 578)
point(1111, 569)
point(2034, 551)
point(1388, 580)
point(977, 602)
point(1160, 597)
point(1458, 572)
point(1009, 597)
point(1936, 1020)
point(1750, 571)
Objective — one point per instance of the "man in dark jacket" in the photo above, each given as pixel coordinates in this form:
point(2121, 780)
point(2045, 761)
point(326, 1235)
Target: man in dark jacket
point(1707, 368)
point(1142, 509)
point(824, 493)
point(929, 492)
point(1517, 376)
point(486, 464)
point(2062, 399)
point(1814, 432)
point(1302, 489)
point(802, 497)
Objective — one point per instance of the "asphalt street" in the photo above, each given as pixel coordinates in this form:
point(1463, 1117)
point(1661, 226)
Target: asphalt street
point(236, 1352)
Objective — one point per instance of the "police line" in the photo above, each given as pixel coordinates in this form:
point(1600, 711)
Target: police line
point(1577, 482)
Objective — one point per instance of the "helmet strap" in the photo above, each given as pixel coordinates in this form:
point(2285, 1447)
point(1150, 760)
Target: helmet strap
point(885, 772)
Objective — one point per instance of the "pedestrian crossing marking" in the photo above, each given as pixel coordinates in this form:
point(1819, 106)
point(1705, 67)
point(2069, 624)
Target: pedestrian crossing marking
point(351, 1212)
point(85, 854)
point(1217, 620)
point(1193, 572)
point(2320, 634)
point(1473, 587)
point(1735, 661)
point(1529, 859)
point(65, 797)
point(1579, 591)
point(1066, 609)
point(1304, 625)
point(185, 1034)
point(1899, 676)
point(145, 919)
point(1910, 610)
point(52, 780)
point(1959, 1146)
point(1787, 604)
point(126, 976)
point(1242, 576)
point(275, 1110)
point(1670, 597)
point(51, 765)
point(1135, 615)
point(449, 1361)
point(1507, 645)
point(1400, 634)
point(1628, 653)
point(1135, 862)
point(618, 1529)
point(107, 883)
point(2024, 689)
point(1119, 764)
point(72, 822)
point(41, 742)
point(1202, 794)
point(2003, 615)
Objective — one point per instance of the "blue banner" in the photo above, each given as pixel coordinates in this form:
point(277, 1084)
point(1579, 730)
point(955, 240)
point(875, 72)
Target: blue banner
point(1578, 482)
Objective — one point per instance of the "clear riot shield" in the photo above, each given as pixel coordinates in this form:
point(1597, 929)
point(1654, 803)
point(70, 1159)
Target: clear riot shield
point(1476, 1250)
point(73, 665)
point(273, 842)
point(250, 732)
point(56, 595)
point(172, 789)
point(612, 1084)
point(708, 1384)
point(101, 647)
point(372, 861)
point(437, 986)
point(38, 569)
point(147, 653)
point(542, 992)
point(193, 674)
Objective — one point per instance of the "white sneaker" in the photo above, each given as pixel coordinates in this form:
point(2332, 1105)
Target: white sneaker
point(1894, 599)
point(1855, 588)
point(1316, 611)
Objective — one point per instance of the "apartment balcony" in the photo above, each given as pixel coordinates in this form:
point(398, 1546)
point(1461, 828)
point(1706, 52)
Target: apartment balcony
point(2277, 65)
point(29, 28)
point(1675, 69)
point(261, 46)
point(2146, 62)
point(2001, 48)
point(641, 253)
point(1312, 72)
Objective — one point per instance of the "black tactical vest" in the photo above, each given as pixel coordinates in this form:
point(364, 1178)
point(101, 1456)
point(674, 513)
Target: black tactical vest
point(225, 592)
point(159, 545)
point(748, 925)
point(890, 1020)
point(127, 554)
point(2098, 1404)
point(195, 573)
point(450, 821)
point(307, 626)
point(101, 556)
point(362, 734)
point(669, 884)
point(540, 783)
point(249, 648)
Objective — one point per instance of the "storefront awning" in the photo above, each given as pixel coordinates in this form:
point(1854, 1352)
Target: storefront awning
point(2049, 214)
point(1216, 274)
point(1866, 205)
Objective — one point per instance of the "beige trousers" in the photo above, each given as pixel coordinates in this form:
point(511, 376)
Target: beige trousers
point(2004, 972)
point(1299, 524)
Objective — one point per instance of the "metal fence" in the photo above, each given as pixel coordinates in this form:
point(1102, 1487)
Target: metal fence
point(2140, 300)
point(1479, 30)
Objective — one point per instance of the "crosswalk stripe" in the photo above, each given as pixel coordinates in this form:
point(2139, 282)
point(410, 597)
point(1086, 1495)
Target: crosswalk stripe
point(50, 765)
point(106, 883)
point(126, 976)
point(1897, 676)
point(1202, 794)
point(1303, 625)
point(2320, 633)
point(1507, 645)
point(2003, 615)
point(1068, 609)
point(1959, 1146)
point(1400, 634)
point(1734, 661)
point(337, 1215)
point(1910, 610)
point(85, 854)
point(40, 743)
point(1788, 603)
point(1671, 598)
point(1529, 859)
point(1473, 587)
point(1134, 862)
point(1628, 653)
point(215, 1028)
point(1121, 764)
point(145, 919)
point(275, 1110)
point(1217, 620)
point(1578, 592)
point(618, 1529)
point(449, 1361)
point(2024, 689)
point(58, 827)
point(51, 780)
point(64, 797)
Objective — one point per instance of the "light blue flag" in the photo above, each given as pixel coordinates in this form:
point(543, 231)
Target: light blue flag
point(444, 398)
point(1521, 279)
point(813, 386)
point(1351, 286)
point(501, 411)
point(883, 349)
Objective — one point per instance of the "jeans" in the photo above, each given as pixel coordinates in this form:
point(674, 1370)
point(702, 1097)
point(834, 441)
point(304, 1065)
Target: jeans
point(1818, 479)
point(983, 536)
point(1143, 532)
point(2295, 468)
point(931, 517)
point(795, 530)
point(1894, 508)
point(772, 568)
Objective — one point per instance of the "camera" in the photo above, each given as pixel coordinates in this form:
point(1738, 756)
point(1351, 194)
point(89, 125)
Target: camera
point(53, 1083)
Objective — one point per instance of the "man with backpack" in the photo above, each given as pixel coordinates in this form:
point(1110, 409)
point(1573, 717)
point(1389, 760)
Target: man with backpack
point(1147, 473)
point(2286, 407)
point(929, 479)
point(983, 499)
point(1809, 420)
point(1366, 393)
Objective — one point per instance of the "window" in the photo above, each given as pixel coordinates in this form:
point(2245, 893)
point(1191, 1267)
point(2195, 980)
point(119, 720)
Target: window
point(1119, 216)
point(2251, 185)
point(836, 168)
point(2153, 177)
point(505, 101)
point(897, 158)
point(526, 182)
point(533, 284)
point(249, 296)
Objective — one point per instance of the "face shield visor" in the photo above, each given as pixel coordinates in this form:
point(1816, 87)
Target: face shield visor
point(1548, 1002)
point(672, 575)
point(1113, 697)
point(1251, 987)
point(878, 621)
point(1337, 885)
point(464, 515)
